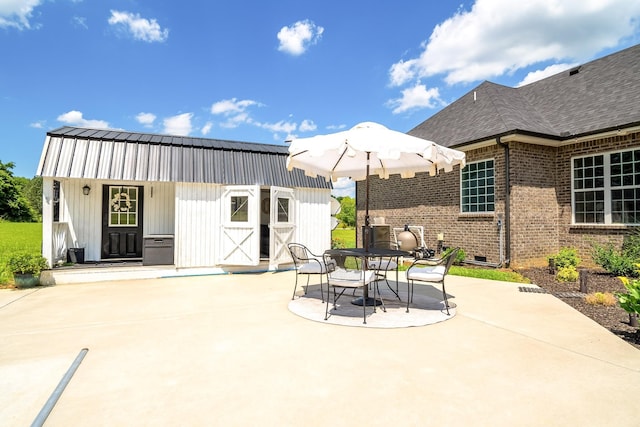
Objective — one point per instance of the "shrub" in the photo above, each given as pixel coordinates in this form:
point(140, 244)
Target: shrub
point(567, 257)
point(567, 274)
point(618, 263)
point(630, 300)
point(337, 243)
point(599, 298)
point(631, 245)
point(460, 256)
point(26, 262)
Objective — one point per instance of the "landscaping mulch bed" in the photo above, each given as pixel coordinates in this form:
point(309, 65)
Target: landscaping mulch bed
point(614, 318)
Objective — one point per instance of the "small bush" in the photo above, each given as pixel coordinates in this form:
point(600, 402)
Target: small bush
point(630, 300)
point(599, 298)
point(618, 263)
point(631, 245)
point(567, 274)
point(567, 257)
point(26, 262)
point(337, 243)
point(460, 256)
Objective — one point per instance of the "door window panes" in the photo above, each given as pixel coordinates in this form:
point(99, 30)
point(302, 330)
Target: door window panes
point(123, 206)
point(239, 209)
point(283, 209)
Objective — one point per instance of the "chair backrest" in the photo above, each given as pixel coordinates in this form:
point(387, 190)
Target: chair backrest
point(299, 253)
point(330, 262)
point(451, 259)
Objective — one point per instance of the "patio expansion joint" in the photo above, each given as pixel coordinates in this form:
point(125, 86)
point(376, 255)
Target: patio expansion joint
point(546, 342)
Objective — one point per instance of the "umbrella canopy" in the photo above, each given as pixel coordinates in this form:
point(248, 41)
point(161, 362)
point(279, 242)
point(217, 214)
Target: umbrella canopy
point(370, 149)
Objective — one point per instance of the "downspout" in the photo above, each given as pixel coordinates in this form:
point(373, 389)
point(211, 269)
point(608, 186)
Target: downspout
point(507, 201)
point(504, 224)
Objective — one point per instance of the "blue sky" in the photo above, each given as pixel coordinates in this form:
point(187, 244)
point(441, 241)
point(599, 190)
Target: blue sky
point(267, 71)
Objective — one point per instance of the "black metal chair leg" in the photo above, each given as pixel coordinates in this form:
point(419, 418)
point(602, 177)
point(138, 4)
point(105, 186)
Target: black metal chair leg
point(446, 301)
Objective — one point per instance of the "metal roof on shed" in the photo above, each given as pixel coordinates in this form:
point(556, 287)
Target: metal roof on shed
point(71, 152)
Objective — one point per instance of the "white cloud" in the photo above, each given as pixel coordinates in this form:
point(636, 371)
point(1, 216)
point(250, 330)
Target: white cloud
point(307, 126)
point(344, 187)
point(206, 128)
point(232, 106)
point(234, 110)
point(140, 28)
point(417, 96)
point(74, 118)
point(146, 119)
point(534, 76)
point(497, 37)
point(179, 124)
point(38, 125)
point(297, 38)
point(280, 126)
point(17, 13)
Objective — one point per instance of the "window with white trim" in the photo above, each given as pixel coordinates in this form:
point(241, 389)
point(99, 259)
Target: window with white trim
point(282, 206)
point(606, 188)
point(477, 192)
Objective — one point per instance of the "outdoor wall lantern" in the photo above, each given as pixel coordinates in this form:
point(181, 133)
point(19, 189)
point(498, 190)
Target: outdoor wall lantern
point(86, 190)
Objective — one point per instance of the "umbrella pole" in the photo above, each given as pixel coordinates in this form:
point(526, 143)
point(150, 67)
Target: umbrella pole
point(367, 225)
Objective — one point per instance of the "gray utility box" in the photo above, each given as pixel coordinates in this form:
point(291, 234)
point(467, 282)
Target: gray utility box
point(157, 249)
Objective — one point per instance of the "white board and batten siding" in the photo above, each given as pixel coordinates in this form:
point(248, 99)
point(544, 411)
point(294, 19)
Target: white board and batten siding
point(313, 219)
point(81, 215)
point(203, 226)
point(197, 224)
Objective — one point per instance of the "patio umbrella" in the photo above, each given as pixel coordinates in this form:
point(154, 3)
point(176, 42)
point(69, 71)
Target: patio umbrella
point(370, 149)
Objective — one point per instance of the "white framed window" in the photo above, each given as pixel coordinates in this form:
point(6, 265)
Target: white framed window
point(283, 209)
point(477, 192)
point(239, 209)
point(605, 188)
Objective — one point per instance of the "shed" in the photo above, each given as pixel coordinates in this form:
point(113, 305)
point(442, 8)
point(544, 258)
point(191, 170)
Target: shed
point(185, 201)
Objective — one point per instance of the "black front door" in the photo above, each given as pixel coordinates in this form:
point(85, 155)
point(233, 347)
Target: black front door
point(122, 221)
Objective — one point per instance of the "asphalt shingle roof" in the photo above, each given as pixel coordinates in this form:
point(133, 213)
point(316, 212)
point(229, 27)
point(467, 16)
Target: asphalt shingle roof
point(600, 95)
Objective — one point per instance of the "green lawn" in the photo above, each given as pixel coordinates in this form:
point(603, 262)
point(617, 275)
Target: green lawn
point(344, 237)
point(18, 237)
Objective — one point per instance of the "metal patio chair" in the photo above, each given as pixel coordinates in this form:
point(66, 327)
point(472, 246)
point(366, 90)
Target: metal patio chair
point(307, 263)
point(431, 271)
point(341, 277)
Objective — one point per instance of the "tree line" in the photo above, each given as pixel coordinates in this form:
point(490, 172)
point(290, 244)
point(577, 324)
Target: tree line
point(20, 198)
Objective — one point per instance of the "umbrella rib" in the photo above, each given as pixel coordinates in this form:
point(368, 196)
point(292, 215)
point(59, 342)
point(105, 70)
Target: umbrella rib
point(339, 159)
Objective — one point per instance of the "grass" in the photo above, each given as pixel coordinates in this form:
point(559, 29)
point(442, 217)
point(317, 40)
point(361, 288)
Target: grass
point(17, 237)
point(345, 237)
point(503, 275)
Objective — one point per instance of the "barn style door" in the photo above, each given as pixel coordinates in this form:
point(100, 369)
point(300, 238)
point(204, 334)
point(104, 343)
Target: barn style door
point(282, 224)
point(240, 242)
point(122, 208)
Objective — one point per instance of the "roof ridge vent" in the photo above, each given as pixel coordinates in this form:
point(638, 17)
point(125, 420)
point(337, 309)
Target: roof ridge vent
point(574, 71)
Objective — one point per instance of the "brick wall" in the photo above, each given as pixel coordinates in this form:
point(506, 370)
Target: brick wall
point(540, 215)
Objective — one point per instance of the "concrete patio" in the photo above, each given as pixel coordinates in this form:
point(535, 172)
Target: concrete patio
point(225, 350)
